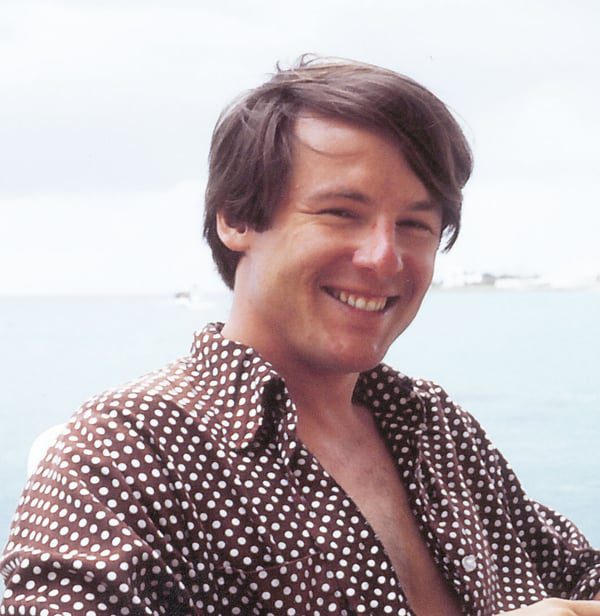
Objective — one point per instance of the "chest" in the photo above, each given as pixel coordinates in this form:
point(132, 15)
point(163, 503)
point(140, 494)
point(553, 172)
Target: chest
point(368, 474)
point(286, 536)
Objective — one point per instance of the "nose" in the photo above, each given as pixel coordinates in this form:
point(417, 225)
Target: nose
point(379, 251)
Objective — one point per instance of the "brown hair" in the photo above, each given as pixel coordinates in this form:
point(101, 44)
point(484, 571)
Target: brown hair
point(251, 151)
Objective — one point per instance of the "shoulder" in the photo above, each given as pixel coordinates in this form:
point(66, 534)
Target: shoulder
point(137, 422)
point(424, 401)
point(385, 384)
point(451, 417)
point(144, 403)
point(441, 403)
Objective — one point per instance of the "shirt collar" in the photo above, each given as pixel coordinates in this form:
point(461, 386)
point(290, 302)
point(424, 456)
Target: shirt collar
point(388, 393)
point(250, 402)
point(241, 388)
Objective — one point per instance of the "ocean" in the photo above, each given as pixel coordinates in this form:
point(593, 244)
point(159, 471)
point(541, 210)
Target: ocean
point(525, 363)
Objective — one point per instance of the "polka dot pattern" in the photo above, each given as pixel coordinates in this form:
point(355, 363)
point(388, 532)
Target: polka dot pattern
point(188, 492)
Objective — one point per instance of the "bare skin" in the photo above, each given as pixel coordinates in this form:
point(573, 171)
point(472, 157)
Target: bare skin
point(560, 607)
point(354, 454)
point(355, 222)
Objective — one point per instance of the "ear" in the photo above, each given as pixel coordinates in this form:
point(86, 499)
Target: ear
point(235, 238)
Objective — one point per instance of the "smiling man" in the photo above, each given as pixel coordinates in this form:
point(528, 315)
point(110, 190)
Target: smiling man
point(281, 468)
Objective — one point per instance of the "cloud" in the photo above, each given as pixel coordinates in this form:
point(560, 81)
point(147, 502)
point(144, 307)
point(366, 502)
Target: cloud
point(132, 243)
point(107, 109)
point(528, 227)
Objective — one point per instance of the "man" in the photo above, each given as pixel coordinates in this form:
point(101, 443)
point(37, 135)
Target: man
point(281, 468)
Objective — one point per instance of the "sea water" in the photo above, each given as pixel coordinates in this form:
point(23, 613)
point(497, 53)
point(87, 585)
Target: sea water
point(524, 363)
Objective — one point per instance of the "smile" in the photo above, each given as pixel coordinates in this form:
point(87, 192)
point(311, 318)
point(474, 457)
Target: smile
point(360, 302)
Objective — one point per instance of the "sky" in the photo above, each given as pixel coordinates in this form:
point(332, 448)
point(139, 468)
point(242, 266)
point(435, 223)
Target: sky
point(107, 107)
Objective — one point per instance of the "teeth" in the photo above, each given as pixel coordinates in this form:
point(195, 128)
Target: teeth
point(360, 302)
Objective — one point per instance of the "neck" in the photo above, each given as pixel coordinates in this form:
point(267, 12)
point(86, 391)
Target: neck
point(326, 400)
point(321, 396)
point(321, 391)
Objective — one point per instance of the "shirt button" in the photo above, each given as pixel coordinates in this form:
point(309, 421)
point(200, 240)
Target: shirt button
point(469, 563)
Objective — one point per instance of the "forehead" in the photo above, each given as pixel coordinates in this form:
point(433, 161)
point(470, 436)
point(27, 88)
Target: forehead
point(330, 154)
point(334, 136)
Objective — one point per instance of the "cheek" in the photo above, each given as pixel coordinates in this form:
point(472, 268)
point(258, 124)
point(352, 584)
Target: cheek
point(427, 260)
point(420, 266)
point(429, 265)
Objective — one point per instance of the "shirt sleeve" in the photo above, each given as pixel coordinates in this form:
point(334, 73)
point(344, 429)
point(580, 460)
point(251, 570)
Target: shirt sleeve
point(91, 534)
point(564, 560)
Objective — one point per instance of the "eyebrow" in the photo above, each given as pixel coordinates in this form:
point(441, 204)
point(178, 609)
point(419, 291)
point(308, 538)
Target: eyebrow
point(359, 197)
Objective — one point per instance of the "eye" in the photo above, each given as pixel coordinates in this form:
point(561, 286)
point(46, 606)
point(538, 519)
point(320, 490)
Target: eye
point(417, 225)
point(339, 212)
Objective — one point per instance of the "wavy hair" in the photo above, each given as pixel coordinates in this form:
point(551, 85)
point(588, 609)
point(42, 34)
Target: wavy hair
point(250, 160)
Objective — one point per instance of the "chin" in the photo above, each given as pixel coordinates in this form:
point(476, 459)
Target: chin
point(346, 355)
point(359, 362)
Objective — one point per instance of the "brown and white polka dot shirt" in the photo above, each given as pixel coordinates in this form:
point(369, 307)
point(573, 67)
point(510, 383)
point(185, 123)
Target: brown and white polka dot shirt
point(188, 492)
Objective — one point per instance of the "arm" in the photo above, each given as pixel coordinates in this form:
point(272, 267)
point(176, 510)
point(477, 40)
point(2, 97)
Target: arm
point(558, 607)
point(566, 563)
point(561, 562)
point(86, 536)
